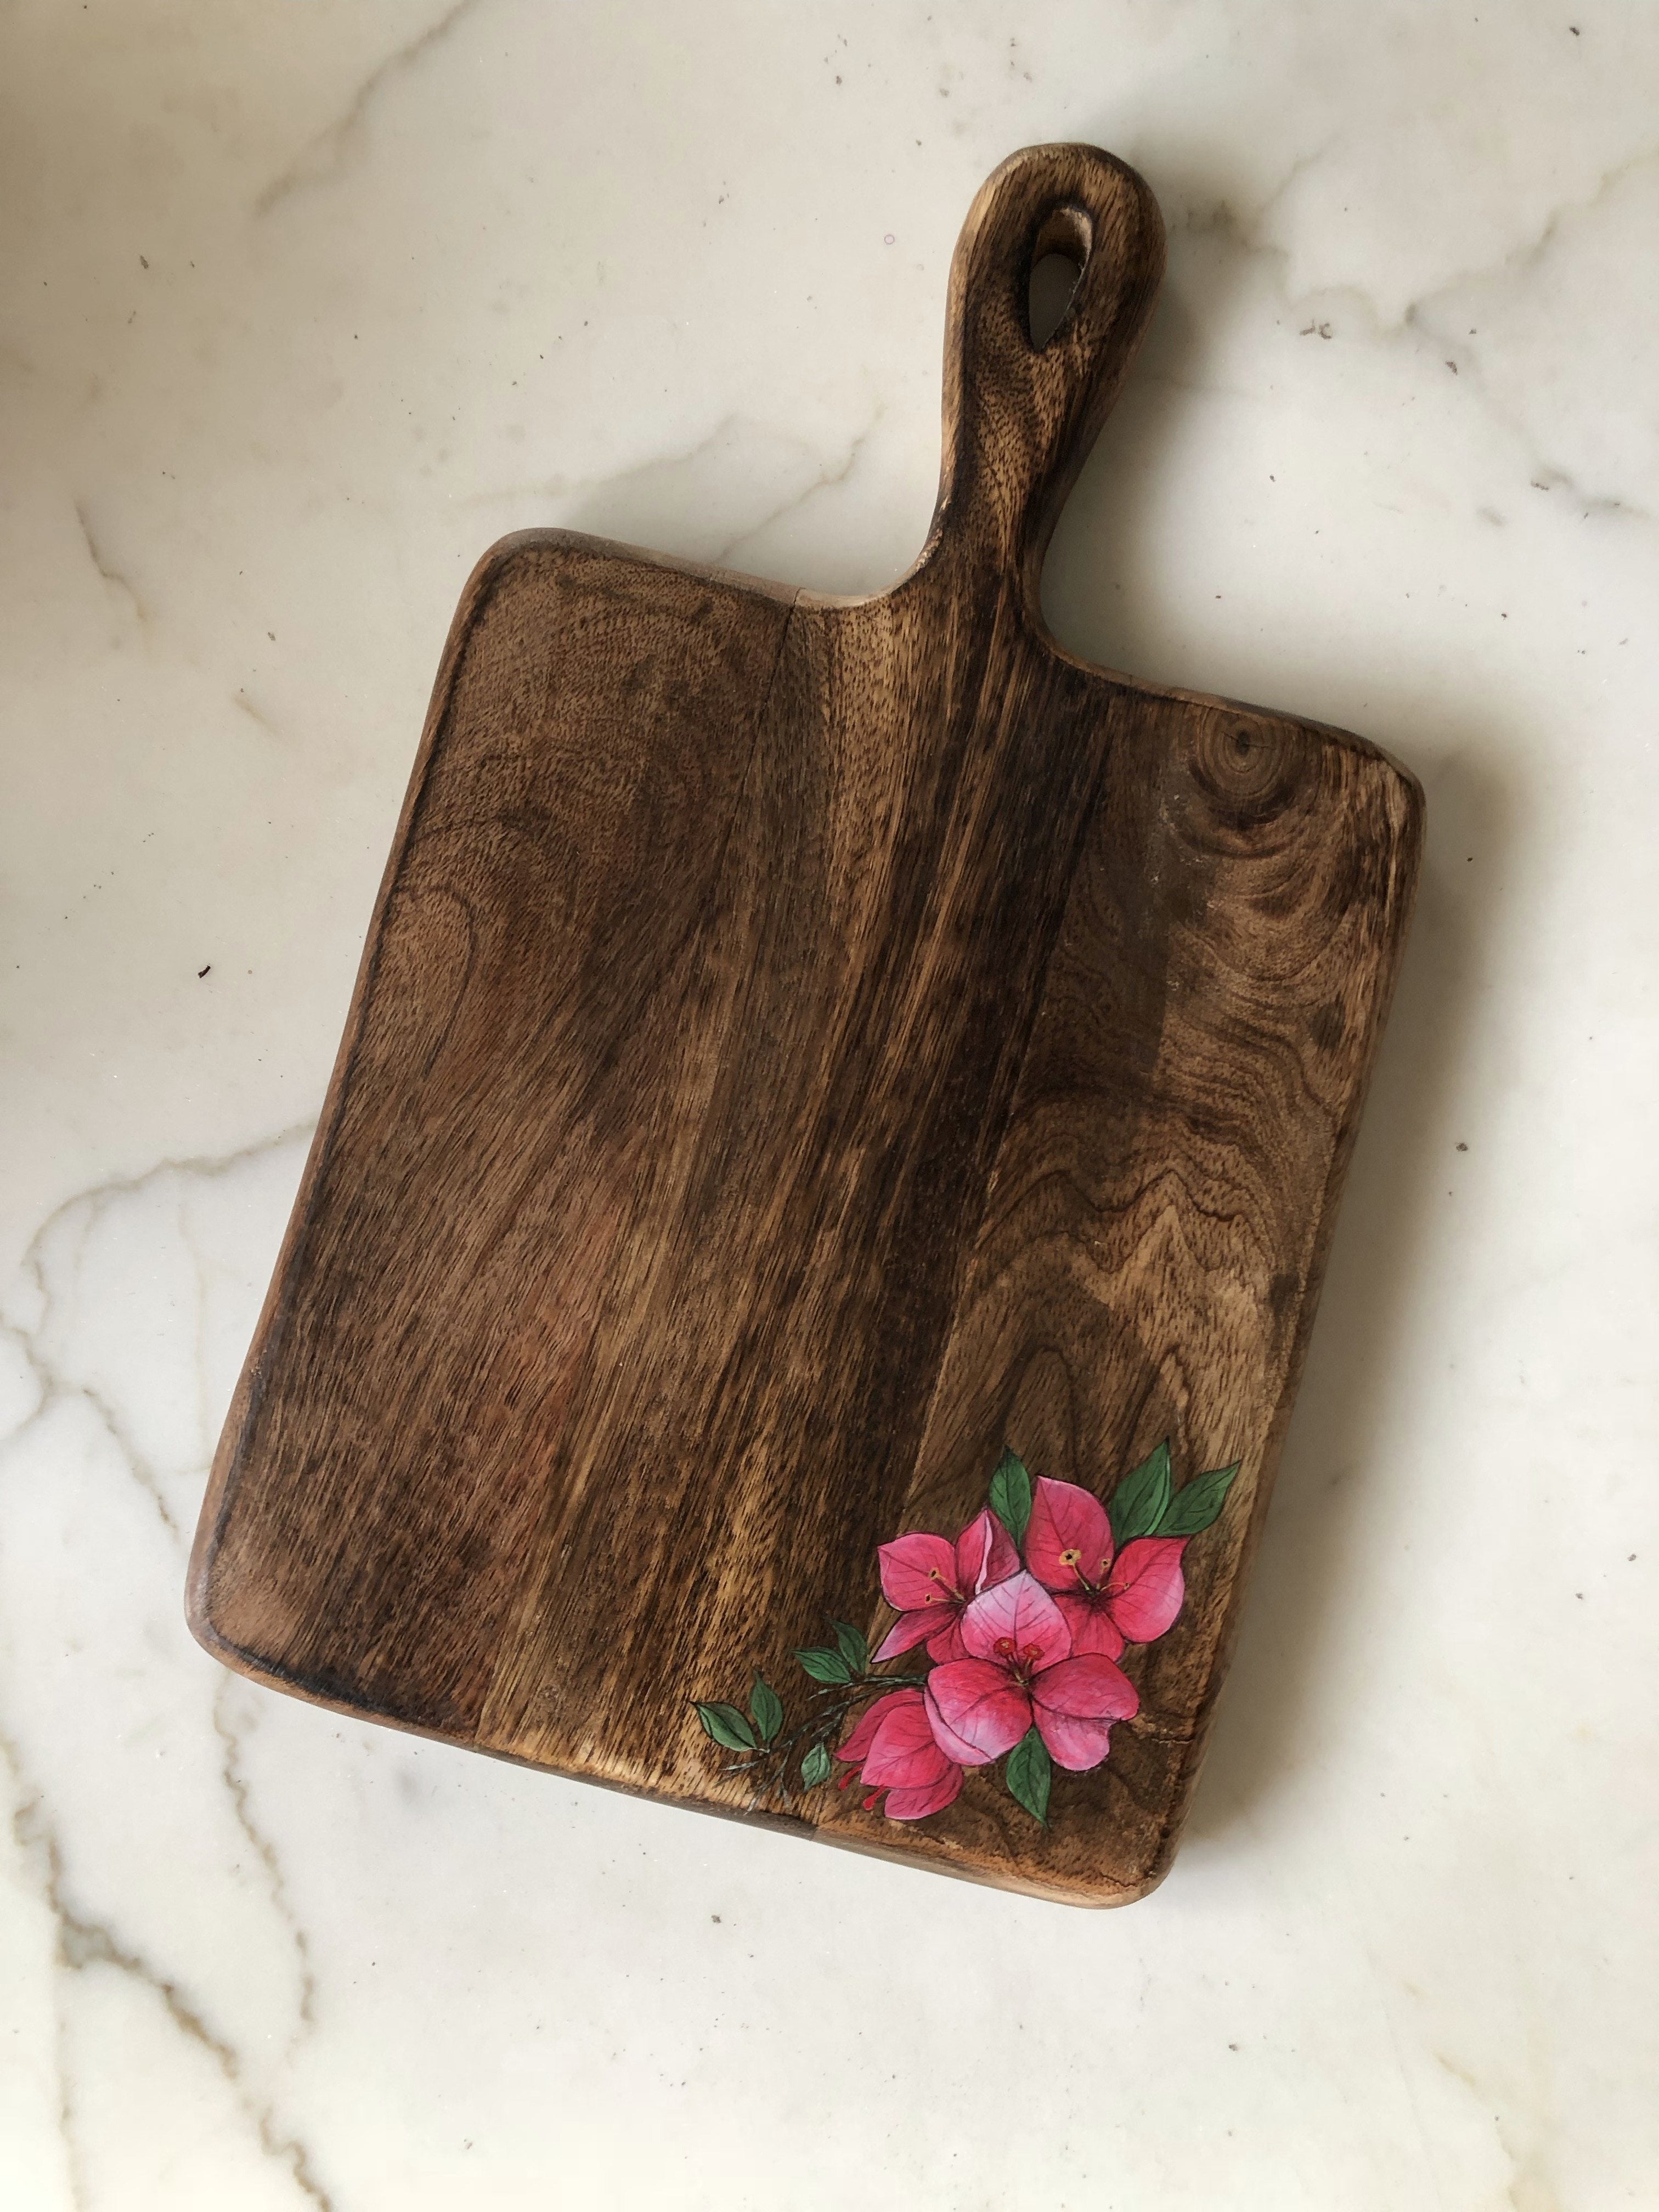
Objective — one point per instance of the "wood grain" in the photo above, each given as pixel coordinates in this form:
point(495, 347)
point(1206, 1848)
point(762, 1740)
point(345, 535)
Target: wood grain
point(800, 1046)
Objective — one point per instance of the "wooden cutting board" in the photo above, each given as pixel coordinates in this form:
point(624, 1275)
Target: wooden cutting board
point(826, 1075)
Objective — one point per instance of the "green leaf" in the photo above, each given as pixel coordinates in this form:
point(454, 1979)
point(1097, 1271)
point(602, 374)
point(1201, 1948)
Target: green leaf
point(1141, 1500)
point(1029, 1774)
point(815, 1767)
point(728, 1726)
point(825, 1666)
point(1011, 1494)
point(767, 1706)
point(1197, 1503)
point(855, 1645)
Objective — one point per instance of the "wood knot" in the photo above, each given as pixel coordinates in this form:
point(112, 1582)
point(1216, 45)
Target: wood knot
point(1245, 772)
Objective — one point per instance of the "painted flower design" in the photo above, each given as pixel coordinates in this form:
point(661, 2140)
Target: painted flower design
point(1108, 1598)
point(898, 1752)
point(1020, 1673)
point(930, 1582)
point(1016, 1625)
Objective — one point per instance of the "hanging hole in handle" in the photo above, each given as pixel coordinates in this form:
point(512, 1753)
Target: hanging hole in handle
point(1060, 253)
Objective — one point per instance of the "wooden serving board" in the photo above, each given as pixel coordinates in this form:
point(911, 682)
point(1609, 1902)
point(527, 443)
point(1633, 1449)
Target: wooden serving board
point(821, 1070)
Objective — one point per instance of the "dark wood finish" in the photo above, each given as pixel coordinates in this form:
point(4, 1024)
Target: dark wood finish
point(800, 1045)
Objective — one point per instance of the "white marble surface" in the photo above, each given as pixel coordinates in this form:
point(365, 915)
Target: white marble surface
point(304, 305)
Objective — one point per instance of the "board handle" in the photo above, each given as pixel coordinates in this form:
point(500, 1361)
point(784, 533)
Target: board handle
point(1020, 418)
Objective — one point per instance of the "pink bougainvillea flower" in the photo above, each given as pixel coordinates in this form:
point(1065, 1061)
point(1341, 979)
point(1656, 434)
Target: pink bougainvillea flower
point(1020, 1673)
point(927, 1581)
point(898, 1753)
point(1108, 1600)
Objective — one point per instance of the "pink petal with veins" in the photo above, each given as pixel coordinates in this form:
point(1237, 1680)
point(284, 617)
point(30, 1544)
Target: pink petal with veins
point(1146, 1591)
point(1073, 1742)
point(952, 1745)
point(916, 1572)
point(904, 1755)
point(985, 1554)
point(907, 1631)
point(976, 1711)
point(945, 1642)
point(857, 1746)
point(917, 1804)
point(1076, 1704)
point(1064, 1519)
point(1020, 1615)
point(1093, 1630)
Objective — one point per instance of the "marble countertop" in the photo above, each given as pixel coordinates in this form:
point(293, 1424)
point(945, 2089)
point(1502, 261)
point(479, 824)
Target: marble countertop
point(302, 307)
